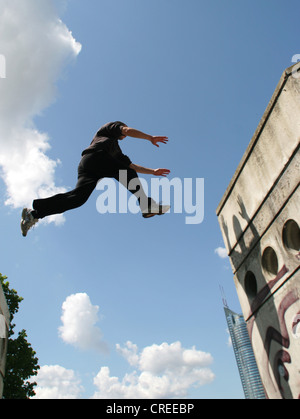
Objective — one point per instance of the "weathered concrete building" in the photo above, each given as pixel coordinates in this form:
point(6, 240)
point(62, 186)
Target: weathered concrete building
point(4, 324)
point(259, 216)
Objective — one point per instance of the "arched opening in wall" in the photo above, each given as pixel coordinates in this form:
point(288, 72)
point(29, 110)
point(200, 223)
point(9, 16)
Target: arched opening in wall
point(291, 236)
point(250, 285)
point(269, 261)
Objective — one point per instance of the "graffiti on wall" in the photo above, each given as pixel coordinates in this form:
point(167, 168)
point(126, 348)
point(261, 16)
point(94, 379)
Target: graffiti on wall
point(272, 298)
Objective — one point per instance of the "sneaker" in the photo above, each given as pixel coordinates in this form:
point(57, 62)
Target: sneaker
point(27, 221)
point(155, 209)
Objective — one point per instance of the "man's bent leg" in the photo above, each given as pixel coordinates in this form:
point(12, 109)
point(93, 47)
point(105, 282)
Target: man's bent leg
point(129, 178)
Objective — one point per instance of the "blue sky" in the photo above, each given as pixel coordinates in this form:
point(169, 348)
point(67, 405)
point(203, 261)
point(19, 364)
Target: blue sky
point(200, 72)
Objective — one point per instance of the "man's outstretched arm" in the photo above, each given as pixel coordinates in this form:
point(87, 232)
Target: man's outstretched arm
point(131, 132)
point(146, 171)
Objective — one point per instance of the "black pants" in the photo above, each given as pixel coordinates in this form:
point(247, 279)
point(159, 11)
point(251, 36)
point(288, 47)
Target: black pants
point(92, 168)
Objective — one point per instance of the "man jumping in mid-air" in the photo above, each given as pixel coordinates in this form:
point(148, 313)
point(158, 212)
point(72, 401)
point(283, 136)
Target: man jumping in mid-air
point(103, 158)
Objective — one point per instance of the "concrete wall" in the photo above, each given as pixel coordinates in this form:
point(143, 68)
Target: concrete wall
point(4, 324)
point(259, 216)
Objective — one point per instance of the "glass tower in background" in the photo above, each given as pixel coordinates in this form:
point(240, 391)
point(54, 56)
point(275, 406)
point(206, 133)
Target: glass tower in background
point(244, 354)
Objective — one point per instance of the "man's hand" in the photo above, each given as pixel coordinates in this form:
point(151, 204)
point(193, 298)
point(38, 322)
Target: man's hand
point(161, 172)
point(157, 139)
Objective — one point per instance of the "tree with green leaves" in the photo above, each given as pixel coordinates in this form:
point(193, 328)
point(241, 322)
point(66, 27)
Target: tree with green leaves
point(21, 362)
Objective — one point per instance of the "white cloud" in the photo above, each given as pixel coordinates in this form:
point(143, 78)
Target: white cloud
point(162, 371)
point(221, 252)
point(37, 46)
point(129, 352)
point(56, 382)
point(79, 319)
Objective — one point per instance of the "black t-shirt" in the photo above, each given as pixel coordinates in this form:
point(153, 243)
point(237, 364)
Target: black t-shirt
point(107, 139)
